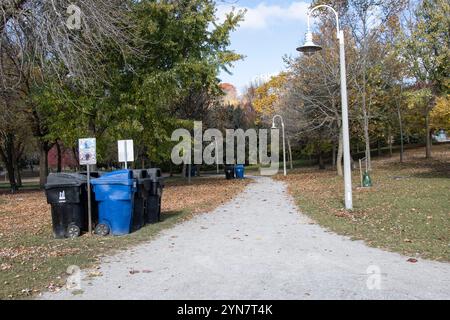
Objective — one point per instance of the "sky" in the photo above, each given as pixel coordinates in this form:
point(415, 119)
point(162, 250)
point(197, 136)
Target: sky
point(271, 30)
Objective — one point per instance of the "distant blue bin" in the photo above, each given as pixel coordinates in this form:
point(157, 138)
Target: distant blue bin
point(114, 192)
point(240, 171)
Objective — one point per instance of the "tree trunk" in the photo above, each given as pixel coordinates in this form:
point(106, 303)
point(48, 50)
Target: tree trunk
point(428, 137)
point(400, 123)
point(333, 155)
point(76, 157)
point(7, 156)
point(183, 171)
point(379, 147)
point(18, 152)
point(390, 141)
point(11, 176)
point(290, 153)
point(367, 138)
point(321, 159)
point(59, 157)
point(43, 163)
point(18, 175)
point(340, 154)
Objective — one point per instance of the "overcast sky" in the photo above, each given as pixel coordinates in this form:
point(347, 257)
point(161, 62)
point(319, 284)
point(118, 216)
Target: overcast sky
point(272, 29)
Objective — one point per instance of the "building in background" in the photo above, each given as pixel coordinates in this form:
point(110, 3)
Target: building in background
point(231, 95)
point(68, 160)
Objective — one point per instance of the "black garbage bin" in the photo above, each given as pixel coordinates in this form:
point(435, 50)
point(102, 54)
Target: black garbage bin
point(143, 184)
point(153, 208)
point(194, 171)
point(229, 171)
point(67, 195)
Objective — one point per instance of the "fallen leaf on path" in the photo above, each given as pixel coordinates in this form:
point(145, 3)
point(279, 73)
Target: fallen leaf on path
point(412, 260)
point(95, 274)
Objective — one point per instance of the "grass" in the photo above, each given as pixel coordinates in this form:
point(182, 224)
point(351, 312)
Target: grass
point(32, 261)
point(25, 186)
point(407, 210)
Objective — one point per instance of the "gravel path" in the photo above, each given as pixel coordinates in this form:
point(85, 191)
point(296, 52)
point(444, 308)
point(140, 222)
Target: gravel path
point(258, 246)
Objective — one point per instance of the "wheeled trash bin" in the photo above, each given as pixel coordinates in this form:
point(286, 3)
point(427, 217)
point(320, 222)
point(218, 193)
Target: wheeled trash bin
point(153, 208)
point(114, 193)
point(229, 171)
point(143, 184)
point(240, 169)
point(67, 195)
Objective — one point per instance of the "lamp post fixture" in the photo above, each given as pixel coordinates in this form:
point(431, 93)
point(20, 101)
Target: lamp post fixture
point(309, 48)
point(284, 144)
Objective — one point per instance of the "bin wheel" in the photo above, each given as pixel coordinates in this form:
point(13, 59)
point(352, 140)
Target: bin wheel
point(73, 231)
point(102, 229)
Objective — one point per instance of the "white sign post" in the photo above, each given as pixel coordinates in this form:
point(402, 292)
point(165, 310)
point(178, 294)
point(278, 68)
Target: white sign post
point(126, 151)
point(87, 149)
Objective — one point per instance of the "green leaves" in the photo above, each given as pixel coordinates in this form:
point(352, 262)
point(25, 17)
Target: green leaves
point(426, 46)
point(181, 50)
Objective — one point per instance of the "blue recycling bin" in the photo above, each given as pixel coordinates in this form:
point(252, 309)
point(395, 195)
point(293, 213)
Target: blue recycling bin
point(114, 192)
point(239, 171)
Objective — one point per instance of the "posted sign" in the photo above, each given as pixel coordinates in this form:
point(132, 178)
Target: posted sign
point(87, 151)
point(126, 150)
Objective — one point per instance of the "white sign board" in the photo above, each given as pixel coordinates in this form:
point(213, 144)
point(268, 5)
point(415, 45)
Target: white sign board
point(87, 151)
point(126, 150)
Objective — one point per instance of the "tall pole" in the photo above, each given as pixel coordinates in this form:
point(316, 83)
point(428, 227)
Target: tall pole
point(284, 139)
point(189, 172)
point(345, 125)
point(290, 153)
point(310, 48)
point(126, 156)
point(89, 198)
point(284, 148)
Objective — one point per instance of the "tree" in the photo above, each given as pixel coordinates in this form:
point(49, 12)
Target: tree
point(440, 115)
point(15, 135)
point(426, 50)
point(38, 42)
point(146, 97)
point(268, 94)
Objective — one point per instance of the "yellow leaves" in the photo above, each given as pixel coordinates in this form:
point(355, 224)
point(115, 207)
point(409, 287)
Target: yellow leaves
point(440, 115)
point(268, 94)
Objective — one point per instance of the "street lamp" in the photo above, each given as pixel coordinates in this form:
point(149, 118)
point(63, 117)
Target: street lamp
point(309, 48)
point(284, 145)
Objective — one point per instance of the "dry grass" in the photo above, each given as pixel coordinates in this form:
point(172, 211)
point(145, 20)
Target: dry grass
point(31, 260)
point(407, 210)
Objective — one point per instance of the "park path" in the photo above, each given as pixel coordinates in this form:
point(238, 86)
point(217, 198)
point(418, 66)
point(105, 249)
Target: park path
point(258, 246)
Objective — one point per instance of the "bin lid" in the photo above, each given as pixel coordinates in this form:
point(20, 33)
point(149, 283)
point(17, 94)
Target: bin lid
point(94, 174)
point(139, 174)
point(154, 173)
point(122, 177)
point(63, 179)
